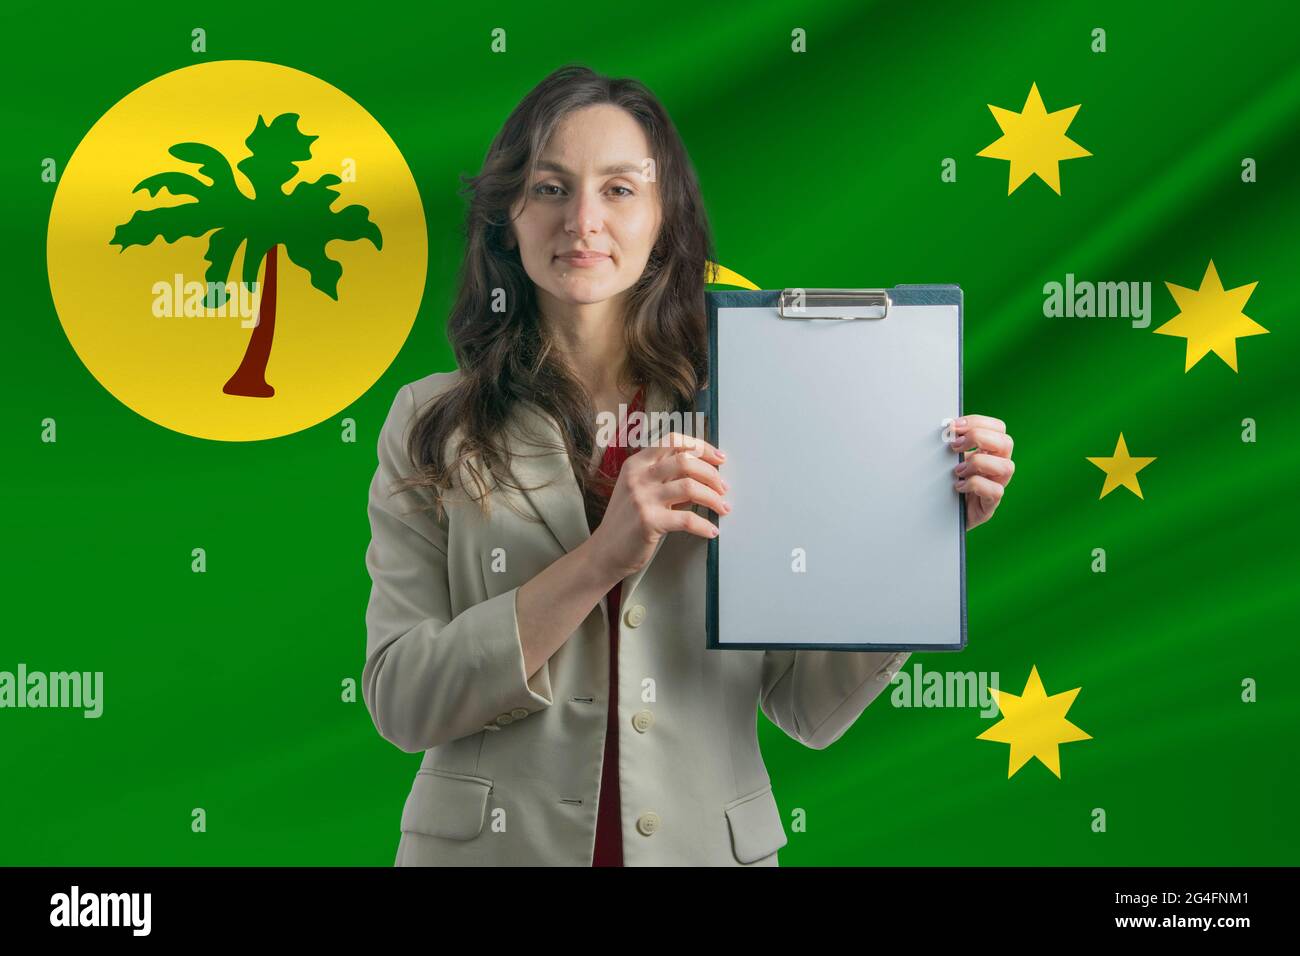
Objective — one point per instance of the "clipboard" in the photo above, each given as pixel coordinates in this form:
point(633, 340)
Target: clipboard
point(833, 407)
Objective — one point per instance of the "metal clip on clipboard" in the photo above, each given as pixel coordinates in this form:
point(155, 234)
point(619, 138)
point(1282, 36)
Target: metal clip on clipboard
point(833, 304)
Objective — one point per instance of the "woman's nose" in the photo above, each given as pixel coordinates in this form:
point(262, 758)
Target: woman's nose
point(584, 215)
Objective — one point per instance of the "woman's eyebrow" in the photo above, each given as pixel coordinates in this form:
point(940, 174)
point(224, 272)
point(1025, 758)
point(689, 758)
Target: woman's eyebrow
point(625, 167)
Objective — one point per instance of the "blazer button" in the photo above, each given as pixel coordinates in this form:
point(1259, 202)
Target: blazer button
point(518, 713)
point(643, 720)
point(635, 615)
point(504, 719)
point(648, 822)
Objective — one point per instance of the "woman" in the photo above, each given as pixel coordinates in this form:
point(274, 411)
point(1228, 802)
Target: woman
point(554, 671)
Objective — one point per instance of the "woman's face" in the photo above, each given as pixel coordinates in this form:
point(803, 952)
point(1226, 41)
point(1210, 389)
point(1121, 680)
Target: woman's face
point(594, 191)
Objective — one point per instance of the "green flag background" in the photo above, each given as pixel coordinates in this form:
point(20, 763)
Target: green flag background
point(822, 168)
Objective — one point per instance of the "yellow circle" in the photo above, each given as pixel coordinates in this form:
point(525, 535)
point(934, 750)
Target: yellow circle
point(118, 305)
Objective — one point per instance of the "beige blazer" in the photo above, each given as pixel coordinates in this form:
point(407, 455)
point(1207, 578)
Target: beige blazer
point(512, 766)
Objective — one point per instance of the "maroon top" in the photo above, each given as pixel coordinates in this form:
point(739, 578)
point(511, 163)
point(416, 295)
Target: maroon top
point(609, 832)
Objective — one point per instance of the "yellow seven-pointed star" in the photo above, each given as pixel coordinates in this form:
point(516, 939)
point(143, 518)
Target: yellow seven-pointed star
point(1121, 469)
point(1034, 725)
point(1210, 318)
point(1035, 141)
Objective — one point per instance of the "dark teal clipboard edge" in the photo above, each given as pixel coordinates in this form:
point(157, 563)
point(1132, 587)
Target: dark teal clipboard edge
point(706, 401)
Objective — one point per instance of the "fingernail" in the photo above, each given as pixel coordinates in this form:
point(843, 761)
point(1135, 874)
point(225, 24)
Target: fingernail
point(726, 507)
point(960, 469)
point(721, 453)
point(725, 486)
point(960, 486)
point(960, 421)
point(714, 531)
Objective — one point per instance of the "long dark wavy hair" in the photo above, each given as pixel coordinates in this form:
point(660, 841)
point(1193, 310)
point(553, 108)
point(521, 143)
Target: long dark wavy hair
point(508, 356)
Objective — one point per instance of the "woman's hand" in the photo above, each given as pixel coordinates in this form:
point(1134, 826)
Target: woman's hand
point(641, 506)
point(984, 475)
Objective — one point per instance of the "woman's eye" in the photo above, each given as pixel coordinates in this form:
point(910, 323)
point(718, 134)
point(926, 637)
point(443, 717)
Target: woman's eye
point(542, 188)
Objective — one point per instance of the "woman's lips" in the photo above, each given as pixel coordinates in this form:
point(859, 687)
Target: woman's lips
point(584, 260)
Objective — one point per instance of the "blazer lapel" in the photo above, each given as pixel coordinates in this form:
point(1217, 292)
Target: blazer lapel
point(538, 462)
point(538, 458)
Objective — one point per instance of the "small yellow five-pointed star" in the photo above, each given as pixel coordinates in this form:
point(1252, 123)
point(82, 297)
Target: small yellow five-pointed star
point(1035, 141)
point(1034, 725)
point(1121, 469)
point(1210, 318)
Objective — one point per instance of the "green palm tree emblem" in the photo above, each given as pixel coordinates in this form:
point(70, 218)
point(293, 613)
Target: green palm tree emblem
point(302, 221)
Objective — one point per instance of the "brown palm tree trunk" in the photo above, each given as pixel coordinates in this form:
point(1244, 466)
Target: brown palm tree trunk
point(250, 378)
